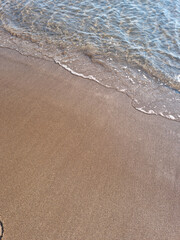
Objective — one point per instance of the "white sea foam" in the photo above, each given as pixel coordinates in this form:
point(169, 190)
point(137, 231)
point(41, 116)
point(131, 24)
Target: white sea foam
point(90, 77)
point(145, 111)
point(171, 117)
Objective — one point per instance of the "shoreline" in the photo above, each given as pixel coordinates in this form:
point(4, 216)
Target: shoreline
point(79, 162)
point(147, 94)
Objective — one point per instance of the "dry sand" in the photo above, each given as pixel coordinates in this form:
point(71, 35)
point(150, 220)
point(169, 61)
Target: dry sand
point(77, 161)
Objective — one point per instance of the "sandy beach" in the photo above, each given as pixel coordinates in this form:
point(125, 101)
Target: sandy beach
point(77, 161)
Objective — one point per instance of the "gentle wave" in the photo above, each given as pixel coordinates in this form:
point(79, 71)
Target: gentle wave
point(131, 46)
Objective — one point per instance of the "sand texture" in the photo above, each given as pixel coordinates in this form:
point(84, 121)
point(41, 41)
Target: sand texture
point(77, 161)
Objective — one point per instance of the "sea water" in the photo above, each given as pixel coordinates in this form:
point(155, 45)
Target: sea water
point(131, 46)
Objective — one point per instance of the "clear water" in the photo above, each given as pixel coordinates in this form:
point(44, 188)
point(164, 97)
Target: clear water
point(129, 45)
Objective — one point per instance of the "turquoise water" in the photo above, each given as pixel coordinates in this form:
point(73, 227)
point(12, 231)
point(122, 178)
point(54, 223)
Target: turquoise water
point(129, 45)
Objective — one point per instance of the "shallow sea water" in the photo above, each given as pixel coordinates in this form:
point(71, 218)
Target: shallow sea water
point(132, 46)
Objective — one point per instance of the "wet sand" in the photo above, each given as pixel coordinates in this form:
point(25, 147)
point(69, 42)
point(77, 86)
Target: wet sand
point(77, 161)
